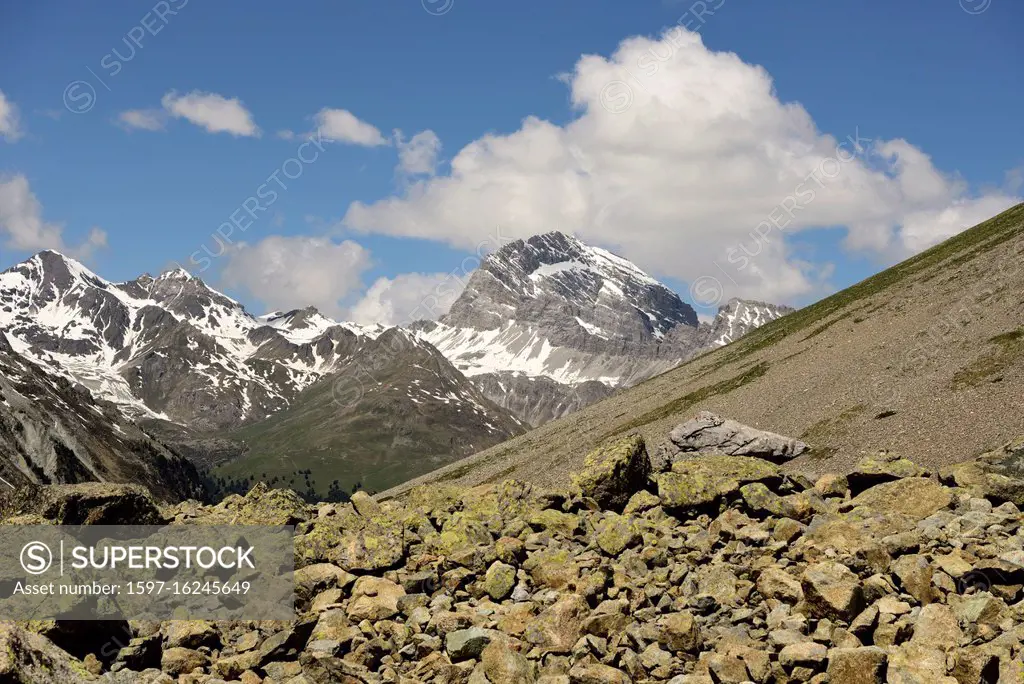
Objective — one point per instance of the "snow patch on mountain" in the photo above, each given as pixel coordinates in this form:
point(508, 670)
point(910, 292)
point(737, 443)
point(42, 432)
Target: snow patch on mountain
point(739, 316)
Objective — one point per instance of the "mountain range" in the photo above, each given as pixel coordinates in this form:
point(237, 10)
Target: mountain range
point(543, 328)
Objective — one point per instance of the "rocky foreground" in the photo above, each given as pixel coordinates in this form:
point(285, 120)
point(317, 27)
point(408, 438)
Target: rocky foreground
point(691, 567)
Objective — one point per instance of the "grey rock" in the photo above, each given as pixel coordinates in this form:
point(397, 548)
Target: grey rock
point(708, 433)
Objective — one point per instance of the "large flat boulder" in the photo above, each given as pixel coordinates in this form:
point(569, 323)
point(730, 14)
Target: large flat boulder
point(702, 481)
point(708, 433)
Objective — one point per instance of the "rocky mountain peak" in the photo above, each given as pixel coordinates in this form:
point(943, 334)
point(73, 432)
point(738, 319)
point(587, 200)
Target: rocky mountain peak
point(558, 281)
point(737, 317)
point(175, 274)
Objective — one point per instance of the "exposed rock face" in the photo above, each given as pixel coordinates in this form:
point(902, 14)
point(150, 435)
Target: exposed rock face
point(193, 368)
point(770, 579)
point(536, 399)
point(52, 431)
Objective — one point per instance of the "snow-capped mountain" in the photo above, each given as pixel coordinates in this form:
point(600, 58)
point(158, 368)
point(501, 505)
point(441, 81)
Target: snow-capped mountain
point(554, 307)
point(168, 347)
point(740, 316)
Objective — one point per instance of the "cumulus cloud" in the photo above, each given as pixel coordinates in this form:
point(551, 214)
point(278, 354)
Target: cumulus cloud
point(10, 126)
point(21, 222)
point(341, 125)
point(691, 162)
point(215, 113)
point(142, 119)
point(289, 272)
point(418, 155)
point(407, 297)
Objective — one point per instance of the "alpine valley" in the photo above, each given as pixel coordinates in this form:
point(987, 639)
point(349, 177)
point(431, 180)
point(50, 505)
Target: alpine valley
point(139, 380)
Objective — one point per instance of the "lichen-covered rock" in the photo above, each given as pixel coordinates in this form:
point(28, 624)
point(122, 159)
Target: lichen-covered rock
point(996, 475)
point(614, 472)
point(882, 467)
point(616, 533)
point(916, 498)
point(702, 481)
point(832, 591)
point(552, 568)
point(365, 547)
point(262, 506)
point(500, 580)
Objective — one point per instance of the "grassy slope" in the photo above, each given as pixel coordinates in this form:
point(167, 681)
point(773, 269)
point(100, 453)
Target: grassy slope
point(382, 439)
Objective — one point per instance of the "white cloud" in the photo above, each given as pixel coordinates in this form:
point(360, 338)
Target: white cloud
point(922, 229)
point(291, 272)
point(341, 125)
point(683, 169)
point(10, 126)
point(215, 113)
point(407, 297)
point(418, 155)
point(143, 119)
point(21, 221)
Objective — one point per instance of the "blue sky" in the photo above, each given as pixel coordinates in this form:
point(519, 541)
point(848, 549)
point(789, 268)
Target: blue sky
point(677, 181)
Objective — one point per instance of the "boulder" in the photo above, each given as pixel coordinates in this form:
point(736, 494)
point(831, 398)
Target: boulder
point(916, 498)
point(499, 581)
point(708, 433)
point(997, 475)
point(882, 467)
point(178, 661)
point(502, 664)
point(832, 591)
point(863, 665)
point(463, 644)
point(616, 533)
point(353, 547)
point(88, 503)
point(34, 659)
point(558, 627)
point(374, 598)
point(614, 472)
point(702, 481)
